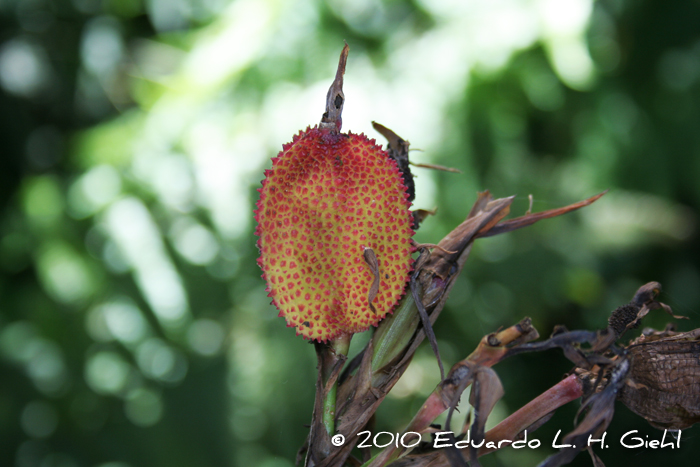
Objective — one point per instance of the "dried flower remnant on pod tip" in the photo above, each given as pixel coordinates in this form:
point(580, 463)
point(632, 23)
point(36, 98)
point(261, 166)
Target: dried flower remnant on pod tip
point(328, 198)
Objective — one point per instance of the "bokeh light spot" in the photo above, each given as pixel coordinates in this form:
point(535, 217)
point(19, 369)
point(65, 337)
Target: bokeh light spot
point(101, 47)
point(64, 274)
point(119, 319)
point(94, 190)
point(15, 340)
point(194, 241)
point(107, 372)
point(143, 407)
point(205, 336)
point(43, 200)
point(157, 360)
point(23, 67)
point(39, 419)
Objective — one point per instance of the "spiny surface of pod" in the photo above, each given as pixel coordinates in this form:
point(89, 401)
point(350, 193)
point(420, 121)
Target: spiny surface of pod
point(333, 224)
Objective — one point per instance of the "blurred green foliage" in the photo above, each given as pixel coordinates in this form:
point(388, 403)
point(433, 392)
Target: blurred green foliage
point(134, 326)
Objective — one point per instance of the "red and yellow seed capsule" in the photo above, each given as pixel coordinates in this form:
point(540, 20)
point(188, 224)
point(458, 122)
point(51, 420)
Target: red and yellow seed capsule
point(328, 198)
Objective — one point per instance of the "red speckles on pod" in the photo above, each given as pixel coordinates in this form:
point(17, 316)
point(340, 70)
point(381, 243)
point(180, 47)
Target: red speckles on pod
point(313, 237)
point(328, 199)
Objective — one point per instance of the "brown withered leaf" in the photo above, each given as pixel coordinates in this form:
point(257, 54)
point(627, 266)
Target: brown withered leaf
point(474, 369)
point(599, 409)
point(425, 319)
point(486, 391)
point(531, 218)
point(441, 168)
point(373, 264)
point(397, 148)
point(630, 315)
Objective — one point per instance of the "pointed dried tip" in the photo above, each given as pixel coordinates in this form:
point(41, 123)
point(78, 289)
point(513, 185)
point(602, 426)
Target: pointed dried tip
point(335, 98)
point(392, 137)
point(646, 293)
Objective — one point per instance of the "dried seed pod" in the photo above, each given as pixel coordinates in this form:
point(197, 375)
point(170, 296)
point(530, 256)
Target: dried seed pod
point(663, 385)
point(328, 198)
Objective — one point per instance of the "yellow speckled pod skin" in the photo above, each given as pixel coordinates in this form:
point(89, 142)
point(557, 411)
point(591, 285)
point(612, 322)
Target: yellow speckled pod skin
point(328, 196)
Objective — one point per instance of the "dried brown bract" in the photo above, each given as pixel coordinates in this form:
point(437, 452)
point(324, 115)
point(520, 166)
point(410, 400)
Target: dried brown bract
point(663, 385)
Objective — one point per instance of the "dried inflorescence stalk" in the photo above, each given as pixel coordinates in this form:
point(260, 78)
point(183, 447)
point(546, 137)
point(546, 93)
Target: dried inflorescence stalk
point(657, 376)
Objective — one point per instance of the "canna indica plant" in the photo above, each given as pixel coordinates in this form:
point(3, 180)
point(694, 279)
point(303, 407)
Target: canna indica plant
point(335, 231)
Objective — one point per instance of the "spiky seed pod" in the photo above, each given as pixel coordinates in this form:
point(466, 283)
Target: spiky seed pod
point(329, 204)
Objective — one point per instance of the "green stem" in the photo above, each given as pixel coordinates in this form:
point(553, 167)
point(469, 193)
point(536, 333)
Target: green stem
point(340, 346)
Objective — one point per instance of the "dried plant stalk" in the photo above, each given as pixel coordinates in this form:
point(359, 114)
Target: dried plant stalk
point(391, 349)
